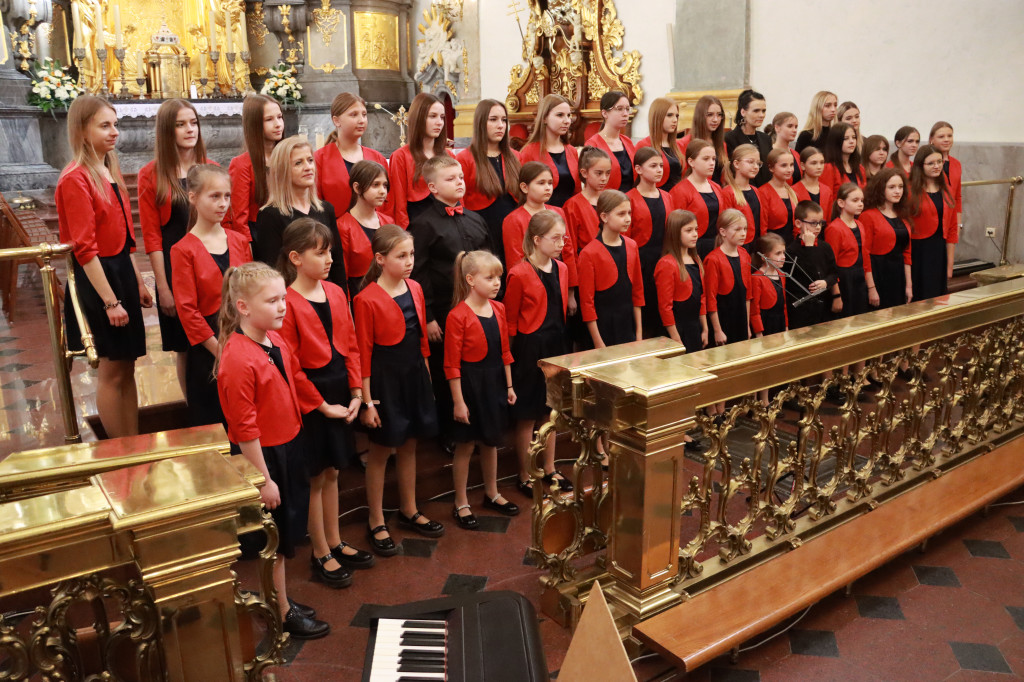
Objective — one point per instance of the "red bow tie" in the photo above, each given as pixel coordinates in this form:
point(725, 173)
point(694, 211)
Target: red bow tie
point(452, 210)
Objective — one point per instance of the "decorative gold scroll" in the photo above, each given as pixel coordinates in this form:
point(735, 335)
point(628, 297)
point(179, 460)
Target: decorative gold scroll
point(326, 20)
point(376, 36)
point(257, 25)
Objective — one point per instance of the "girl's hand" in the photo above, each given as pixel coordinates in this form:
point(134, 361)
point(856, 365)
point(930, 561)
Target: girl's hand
point(511, 397)
point(599, 344)
point(817, 285)
point(873, 297)
point(758, 335)
point(909, 293)
point(145, 298)
point(353, 410)
point(837, 305)
point(704, 338)
point(370, 418)
point(949, 270)
point(270, 495)
point(335, 411)
point(462, 413)
point(720, 337)
point(571, 306)
point(166, 298)
point(117, 316)
point(434, 334)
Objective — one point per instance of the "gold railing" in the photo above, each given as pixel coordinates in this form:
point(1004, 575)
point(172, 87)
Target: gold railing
point(951, 383)
point(45, 254)
point(1013, 183)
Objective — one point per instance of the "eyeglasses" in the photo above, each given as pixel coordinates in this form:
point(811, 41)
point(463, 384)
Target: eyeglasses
point(812, 223)
point(757, 162)
point(622, 110)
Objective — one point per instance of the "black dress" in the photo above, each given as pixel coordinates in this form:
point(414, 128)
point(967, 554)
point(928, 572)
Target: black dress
point(674, 170)
point(483, 389)
point(172, 334)
point(566, 183)
point(329, 442)
point(811, 263)
point(706, 242)
point(200, 380)
point(806, 139)
point(548, 340)
point(503, 204)
point(736, 137)
point(774, 319)
point(650, 254)
point(888, 271)
point(754, 201)
point(271, 223)
point(400, 385)
point(928, 258)
point(625, 169)
point(687, 313)
point(732, 307)
point(853, 287)
point(614, 305)
point(112, 343)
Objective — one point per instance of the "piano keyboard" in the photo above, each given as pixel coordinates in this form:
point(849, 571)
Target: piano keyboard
point(410, 651)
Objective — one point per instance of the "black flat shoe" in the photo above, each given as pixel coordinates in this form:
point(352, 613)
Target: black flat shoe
point(525, 487)
point(508, 509)
point(905, 374)
point(358, 560)
point(468, 522)
point(304, 627)
point(563, 483)
point(430, 529)
point(693, 446)
point(384, 547)
point(338, 578)
point(307, 611)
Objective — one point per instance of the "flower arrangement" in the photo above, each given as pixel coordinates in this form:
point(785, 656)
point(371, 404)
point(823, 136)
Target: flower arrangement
point(282, 85)
point(52, 86)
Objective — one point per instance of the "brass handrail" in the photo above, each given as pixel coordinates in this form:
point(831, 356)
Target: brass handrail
point(1012, 182)
point(62, 357)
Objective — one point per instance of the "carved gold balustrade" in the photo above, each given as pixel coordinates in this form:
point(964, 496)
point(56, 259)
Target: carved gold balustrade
point(949, 386)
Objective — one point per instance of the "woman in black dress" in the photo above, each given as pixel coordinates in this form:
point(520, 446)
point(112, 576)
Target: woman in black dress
point(750, 113)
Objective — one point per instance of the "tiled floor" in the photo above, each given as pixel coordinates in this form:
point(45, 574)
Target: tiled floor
point(953, 612)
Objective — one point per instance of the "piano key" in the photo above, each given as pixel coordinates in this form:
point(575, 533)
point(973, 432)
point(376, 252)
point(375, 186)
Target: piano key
point(419, 667)
point(411, 656)
point(395, 676)
point(395, 649)
point(420, 641)
point(436, 624)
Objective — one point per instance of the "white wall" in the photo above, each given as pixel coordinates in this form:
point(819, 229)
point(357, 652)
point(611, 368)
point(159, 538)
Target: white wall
point(904, 62)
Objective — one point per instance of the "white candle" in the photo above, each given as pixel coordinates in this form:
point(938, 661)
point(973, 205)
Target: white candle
point(100, 39)
point(213, 32)
point(118, 41)
point(227, 29)
point(245, 32)
point(141, 64)
point(319, 139)
point(76, 20)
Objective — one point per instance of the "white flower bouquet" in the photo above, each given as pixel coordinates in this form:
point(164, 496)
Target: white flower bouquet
point(52, 86)
point(282, 85)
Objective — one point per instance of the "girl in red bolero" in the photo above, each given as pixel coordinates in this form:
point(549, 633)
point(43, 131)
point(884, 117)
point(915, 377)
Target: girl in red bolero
point(535, 308)
point(581, 220)
point(611, 284)
point(649, 208)
point(409, 193)
point(198, 263)
point(163, 211)
point(549, 144)
point(727, 288)
point(745, 162)
point(95, 217)
point(810, 187)
point(357, 226)
point(678, 280)
point(699, 194)
point(263, 128)
point(842, 158)
point(663, 122)
point(941, 138)
point(318, 328)
point(887, 237)
point(934, 232)
point(612, 139)
point(768, 287)
point(844, 235)
point(783, 131)
point(778, 199)
point(391, 317)
point(478, 367)
point(342, 151)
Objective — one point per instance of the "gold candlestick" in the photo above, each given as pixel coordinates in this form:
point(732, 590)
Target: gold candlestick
point(79, 56)
point(101, 56)
point(203, 80)
point(233, 92)
point(119, 56)
point(214, 57)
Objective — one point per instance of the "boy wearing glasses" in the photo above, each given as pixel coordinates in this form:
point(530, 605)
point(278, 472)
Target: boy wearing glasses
point(814, 270)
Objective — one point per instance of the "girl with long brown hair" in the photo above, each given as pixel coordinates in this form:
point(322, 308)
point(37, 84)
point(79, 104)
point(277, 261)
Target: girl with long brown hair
point(842, 158)
point(663, 123)
point(933, 218)
point(906, 140)
point(783, 132)
point(740, 194)
point(874, 156)
point(810, 187)
point(887, 236)
point(164, 211)
point(698, 193)
point(263, 128)
point(549, 144)
point(777, 197)
point(409, 193)
point(611, 138)
point(679, 287)
point(95, 216)
point(708, 124)
point(364, 217)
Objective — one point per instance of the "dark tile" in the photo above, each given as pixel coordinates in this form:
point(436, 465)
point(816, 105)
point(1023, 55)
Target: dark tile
point(813, 643)
point(6, 352)
point(464, 584)
point(362, 617)
point(733, 675)
point(493, 524)
point(1017, 613)
point(983, 657)
point(417, 547)
point(1018, 522)
point(938, 576)
point(528, 560)
point(19, 385)
point(8, 339)
point(987, 548)
point(14, 367)
point(879, 607)
point(291, 651)
point(26, 405)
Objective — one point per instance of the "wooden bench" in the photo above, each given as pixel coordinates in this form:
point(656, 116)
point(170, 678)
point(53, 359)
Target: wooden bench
point(719, 620)
point(18, 230)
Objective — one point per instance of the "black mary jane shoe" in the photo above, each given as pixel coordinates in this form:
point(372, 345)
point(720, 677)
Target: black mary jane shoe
point(385, 546)
point(525, 487)
point(304, 627)
point(467, 522)
point(508, 508)
point(564, 485)
point(693, 446)
point(307, 611)
point(361, 559)
point(430, 529)
point(338, 578)
point(905, 374)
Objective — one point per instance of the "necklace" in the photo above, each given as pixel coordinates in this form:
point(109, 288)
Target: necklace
point(262, 347)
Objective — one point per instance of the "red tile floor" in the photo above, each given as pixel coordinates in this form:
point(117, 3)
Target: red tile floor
point(952, 612)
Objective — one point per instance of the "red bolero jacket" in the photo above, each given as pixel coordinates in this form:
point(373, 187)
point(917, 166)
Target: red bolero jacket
point(824, 198)
point(764, 297)
point(526, 300)
point(379, 321)
point(685, 196)
point(878, 236)
point(307, 337)
point(718, 277)
point(197, 281)
point(646, 142)
point(926, 221)
point(835, 178)
point(403, 188)
point(354, 244)
point(844, 244)
point(531, 152)
point(93, 224)
point(243, 195)
point(615, 179)
point(256, 399)
point(464, 338)
point(598, 272)
point(475, 200)
point(671, 288)
point(748, 212)
point(640, 227)
point(775, 215)
point(513, 231)
point(332, 181)
point(581, 221)
point(154, 214)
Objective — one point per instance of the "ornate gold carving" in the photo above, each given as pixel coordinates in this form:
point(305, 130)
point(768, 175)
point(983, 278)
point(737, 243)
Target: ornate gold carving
point(564, 72)
point(327, 67)
point(291, 50)
point(376, 36)
point(265, 610)
point(326, 20)
point(257, 25)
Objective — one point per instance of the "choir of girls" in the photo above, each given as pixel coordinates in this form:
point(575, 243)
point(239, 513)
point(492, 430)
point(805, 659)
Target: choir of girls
point(412, 297)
